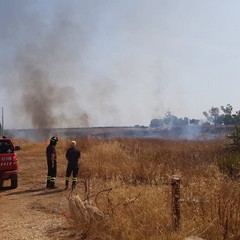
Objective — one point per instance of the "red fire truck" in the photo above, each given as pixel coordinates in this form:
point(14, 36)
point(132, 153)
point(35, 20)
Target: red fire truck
point(8, 162)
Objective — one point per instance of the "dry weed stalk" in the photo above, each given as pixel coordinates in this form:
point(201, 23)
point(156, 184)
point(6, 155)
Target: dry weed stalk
point(87, 214)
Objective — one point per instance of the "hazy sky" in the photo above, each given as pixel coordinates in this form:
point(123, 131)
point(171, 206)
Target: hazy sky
point(79, 63)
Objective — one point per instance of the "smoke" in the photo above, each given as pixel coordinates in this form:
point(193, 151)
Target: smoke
point(38, 98)
point(75, 64)
point(89, 63)
point(39, 69)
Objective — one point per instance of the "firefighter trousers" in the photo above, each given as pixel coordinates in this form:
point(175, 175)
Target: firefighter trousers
point(51, 175)
point(72, 169)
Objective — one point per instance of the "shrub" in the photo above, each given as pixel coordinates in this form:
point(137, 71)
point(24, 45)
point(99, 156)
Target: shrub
point(230, 165)
point(235, 139)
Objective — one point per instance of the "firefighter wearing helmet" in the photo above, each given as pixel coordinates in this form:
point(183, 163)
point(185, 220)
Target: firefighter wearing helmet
point(51, 163)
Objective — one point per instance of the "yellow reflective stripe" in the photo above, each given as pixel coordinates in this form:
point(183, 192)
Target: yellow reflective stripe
point(48, 177)
point(74, 179)
point(53, 179)
point(67, 178)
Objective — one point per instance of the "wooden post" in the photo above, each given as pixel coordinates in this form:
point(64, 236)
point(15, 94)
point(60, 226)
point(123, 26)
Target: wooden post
point(176, 202)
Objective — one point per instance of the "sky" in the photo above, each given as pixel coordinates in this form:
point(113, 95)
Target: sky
point(94, 63)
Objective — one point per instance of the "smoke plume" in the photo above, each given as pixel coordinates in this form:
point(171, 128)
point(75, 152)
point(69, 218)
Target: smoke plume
point(89, 63)
point(38, 72)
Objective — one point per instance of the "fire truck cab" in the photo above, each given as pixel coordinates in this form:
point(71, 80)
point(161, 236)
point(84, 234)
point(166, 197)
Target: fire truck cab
point(8, 162)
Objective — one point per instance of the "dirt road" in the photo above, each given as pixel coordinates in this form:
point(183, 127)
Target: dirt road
point(34, 213)
point(31, 211)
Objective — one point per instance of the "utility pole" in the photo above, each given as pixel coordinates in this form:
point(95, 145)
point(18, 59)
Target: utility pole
point(2, 125)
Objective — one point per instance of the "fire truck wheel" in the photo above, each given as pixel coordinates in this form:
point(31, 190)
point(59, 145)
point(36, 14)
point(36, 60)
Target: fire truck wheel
point(14, 181)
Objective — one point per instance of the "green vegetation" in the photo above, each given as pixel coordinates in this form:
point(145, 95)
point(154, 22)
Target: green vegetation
point(213, 116)
point(229, 162)
point(235, 139)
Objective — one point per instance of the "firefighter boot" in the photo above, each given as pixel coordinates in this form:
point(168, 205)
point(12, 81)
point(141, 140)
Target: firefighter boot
point(66, 184)
point(48, 185)
point(73, 184)
point(52, 184)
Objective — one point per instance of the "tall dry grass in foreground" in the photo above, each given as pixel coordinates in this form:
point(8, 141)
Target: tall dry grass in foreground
point(209, 207)
point(129, 180)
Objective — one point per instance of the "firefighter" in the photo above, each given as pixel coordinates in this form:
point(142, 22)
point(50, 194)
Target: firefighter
point(51, 162)
point(72, 155)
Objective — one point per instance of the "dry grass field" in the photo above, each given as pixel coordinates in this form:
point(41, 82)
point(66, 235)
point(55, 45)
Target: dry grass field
point(129, 182)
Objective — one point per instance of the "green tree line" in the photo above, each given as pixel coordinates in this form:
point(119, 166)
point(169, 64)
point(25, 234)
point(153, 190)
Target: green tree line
point(222, 116)
point(215, 116)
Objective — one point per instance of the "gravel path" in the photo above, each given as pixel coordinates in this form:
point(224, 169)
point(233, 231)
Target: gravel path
point(33, 212)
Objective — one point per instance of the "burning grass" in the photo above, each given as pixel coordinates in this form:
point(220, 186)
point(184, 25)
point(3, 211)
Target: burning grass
point(137, 174)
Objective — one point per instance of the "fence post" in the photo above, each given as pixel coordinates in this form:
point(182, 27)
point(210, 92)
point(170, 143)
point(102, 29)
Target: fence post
point(176, 202)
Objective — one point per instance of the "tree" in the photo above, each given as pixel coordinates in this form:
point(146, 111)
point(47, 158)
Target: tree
point(172, 120)
point(236, 118)
point(169, 120)
point(227, 117)
point(156, 123)
point(227, 110)
point(194, 121)
point(181, 121)
point(235, 138)
point(213, 116)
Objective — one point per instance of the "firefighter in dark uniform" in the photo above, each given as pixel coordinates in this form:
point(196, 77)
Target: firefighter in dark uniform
point(51, 163)
point(72, 155)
